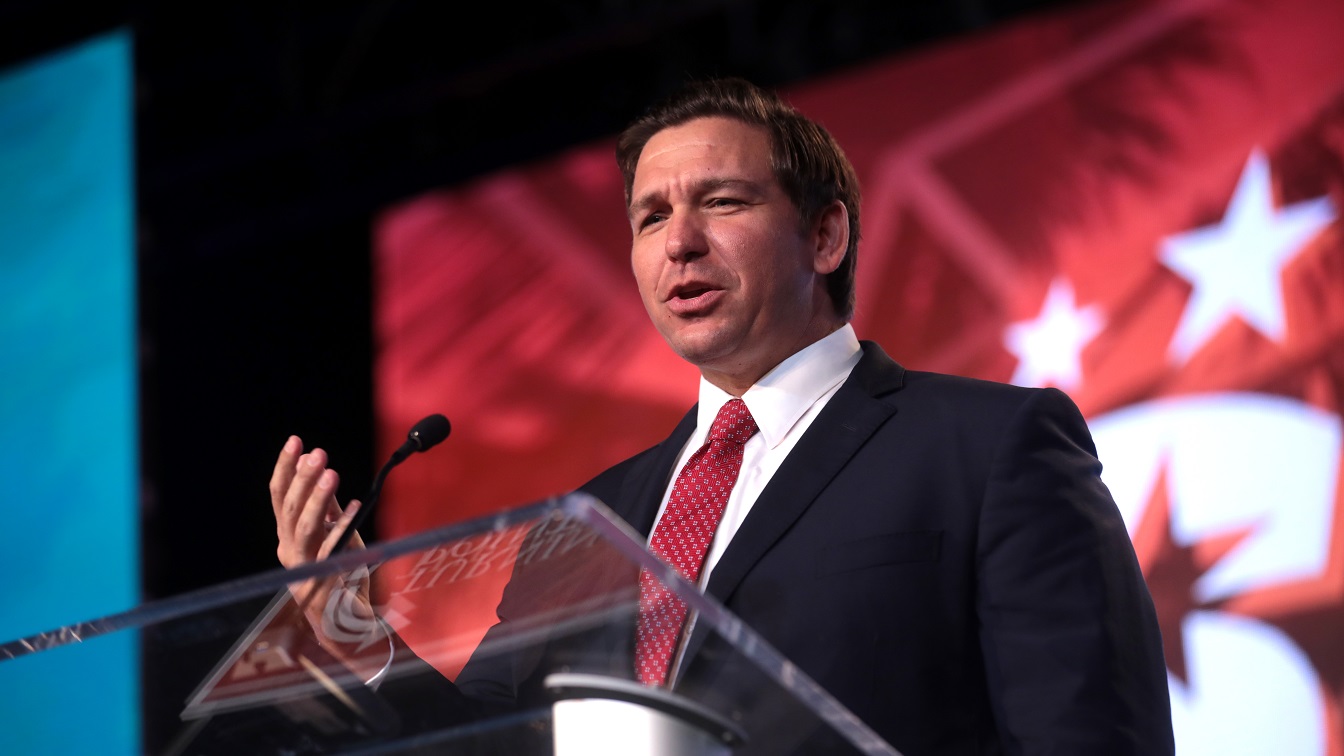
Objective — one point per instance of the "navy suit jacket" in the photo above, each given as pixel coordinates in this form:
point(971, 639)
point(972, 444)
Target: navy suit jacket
point(938, 553)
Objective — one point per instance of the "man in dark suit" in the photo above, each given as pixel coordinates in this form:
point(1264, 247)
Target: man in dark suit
point(939, 553)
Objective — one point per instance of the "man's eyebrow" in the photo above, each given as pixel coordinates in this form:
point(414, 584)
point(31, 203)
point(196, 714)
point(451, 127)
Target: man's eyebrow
point(697, 188)
point(638, 206)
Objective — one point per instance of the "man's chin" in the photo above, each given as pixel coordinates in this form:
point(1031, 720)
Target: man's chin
point(705, 351)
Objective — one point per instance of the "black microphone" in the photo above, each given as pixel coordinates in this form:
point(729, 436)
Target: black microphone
point(422, 437)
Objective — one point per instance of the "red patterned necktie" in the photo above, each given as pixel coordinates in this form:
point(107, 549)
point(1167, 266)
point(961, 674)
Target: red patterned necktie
point(683, 535)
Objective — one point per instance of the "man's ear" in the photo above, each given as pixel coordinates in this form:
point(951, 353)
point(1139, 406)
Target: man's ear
point(831, 238)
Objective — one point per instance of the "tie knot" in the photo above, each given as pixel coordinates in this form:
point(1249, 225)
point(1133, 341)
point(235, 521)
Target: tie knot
point(733, 423)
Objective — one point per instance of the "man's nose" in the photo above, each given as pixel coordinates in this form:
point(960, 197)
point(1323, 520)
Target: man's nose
point(685, 238)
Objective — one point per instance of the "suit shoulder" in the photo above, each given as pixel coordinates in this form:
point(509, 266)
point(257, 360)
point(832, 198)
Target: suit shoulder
point(935, 386)
point(982, 401)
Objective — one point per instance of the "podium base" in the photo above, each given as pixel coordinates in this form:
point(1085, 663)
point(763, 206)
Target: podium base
point(602, 716)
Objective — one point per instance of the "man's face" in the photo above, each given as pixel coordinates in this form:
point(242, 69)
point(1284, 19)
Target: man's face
point(723, 266)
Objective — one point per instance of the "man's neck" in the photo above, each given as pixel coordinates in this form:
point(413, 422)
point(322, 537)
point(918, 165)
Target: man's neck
point(736, 383)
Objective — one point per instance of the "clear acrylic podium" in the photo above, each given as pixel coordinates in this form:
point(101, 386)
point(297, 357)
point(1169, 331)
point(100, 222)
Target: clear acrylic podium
point(511, 634)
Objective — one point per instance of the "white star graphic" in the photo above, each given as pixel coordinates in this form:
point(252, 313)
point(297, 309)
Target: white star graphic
point(1236, 265)
point(1047, 348)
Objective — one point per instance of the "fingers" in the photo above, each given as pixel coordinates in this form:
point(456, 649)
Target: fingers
point(314, 492)
point(283, 474)
point(306, 492)
point(308, 518)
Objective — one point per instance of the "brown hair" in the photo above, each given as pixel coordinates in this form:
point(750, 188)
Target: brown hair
point(807, 162)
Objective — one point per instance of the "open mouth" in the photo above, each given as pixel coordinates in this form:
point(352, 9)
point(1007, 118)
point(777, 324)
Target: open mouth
point(693, 299)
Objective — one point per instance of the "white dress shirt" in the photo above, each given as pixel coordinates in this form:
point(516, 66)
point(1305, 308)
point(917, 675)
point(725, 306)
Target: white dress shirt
point(784, 403)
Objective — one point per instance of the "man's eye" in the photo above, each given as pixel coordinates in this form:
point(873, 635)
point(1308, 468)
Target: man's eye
point(650, 219)
point(724, 202)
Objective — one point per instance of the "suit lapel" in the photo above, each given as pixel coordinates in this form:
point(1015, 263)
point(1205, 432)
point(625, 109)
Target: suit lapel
point(855, 412)
point(851, 417)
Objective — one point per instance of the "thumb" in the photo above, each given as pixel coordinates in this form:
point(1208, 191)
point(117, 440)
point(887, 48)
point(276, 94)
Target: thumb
point(339, 527)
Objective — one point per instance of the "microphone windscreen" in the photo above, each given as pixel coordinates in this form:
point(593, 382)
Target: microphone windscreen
point(429, 432)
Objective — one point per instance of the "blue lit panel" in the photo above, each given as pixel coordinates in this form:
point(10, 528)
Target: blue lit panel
point(68, 434)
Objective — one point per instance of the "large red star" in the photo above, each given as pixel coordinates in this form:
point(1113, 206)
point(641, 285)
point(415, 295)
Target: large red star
point(1172, 569)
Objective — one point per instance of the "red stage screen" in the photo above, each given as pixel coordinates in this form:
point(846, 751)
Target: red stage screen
point(1137, 202)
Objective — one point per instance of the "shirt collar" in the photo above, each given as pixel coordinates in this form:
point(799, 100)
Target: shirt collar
point(784, 394)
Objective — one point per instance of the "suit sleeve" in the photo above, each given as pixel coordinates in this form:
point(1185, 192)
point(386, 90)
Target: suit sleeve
point(1071, 645)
